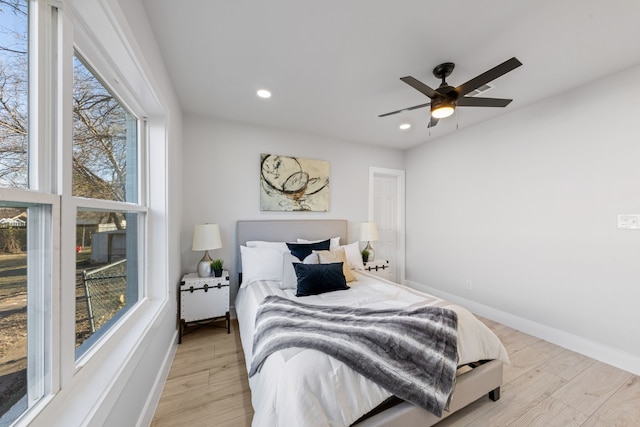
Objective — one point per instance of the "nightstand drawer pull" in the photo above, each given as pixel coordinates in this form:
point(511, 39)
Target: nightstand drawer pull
point(191, 289)
point(206, 287)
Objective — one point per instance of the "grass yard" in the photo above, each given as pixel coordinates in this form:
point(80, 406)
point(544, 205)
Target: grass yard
point(13, 319)
point(13, 272)
point(13, 275)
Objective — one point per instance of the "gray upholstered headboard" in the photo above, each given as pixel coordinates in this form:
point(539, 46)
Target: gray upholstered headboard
point(288, 231)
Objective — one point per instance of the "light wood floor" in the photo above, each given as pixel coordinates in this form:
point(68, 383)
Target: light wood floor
point(545, 385)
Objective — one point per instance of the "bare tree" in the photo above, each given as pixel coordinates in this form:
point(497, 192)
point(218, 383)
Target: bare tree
point(13, 97)
point(99, 134)
point(99, 120)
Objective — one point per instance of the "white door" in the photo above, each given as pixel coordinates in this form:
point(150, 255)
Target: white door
point(386, 209)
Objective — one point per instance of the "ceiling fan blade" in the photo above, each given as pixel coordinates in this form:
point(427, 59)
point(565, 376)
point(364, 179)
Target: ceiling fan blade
point(420, 87)
point(488, 76)
point(483, 102)
point(432, 122)
point(405, 109)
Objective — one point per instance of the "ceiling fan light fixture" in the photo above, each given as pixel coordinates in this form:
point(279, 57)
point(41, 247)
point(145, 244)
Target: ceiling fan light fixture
point(442, 108)
point(442, 112)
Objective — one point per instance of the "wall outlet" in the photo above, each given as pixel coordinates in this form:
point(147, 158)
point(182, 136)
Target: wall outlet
point(468, 284)
point(629, 222)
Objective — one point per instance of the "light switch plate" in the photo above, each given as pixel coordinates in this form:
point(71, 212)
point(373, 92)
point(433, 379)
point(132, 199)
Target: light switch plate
point(629, 222)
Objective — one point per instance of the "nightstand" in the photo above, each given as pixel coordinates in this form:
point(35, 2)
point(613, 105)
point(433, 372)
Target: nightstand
point(202, 301)
point(378, 267)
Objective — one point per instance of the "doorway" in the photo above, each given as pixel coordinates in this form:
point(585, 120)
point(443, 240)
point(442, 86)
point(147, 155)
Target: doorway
point(386, 209)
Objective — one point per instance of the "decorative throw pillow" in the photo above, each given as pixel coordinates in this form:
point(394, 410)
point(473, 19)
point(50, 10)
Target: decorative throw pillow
point(354, 257)
point(334, 244)
point(303, 250)
point(327, 257)
point(314, 279)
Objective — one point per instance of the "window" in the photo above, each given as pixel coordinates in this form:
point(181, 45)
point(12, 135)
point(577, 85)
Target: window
point(107, 271)
point(13, 306)
point(104, 141)
point(41, 204)
point(14, 88)
point(24, 255)
point(105, 156)
point(22, 252)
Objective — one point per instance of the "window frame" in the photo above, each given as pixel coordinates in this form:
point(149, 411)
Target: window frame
point(72, 203)
point(42, 267)
point(76, 38)
point(43, 261)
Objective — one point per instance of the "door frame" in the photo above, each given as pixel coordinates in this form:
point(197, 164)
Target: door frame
point(399, 176)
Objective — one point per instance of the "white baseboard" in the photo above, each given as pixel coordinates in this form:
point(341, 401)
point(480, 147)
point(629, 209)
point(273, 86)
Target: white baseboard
point(146, 416)
point(589, 348)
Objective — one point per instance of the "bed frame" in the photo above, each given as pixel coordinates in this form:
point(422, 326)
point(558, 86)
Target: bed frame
point(483, 377)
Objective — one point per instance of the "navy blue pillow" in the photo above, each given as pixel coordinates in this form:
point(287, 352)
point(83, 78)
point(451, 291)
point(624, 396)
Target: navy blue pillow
point(303, 250)
point(314, 279)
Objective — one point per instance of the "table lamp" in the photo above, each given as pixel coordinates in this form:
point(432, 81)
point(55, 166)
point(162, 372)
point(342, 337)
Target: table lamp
point(369, 233)
point(206, 237)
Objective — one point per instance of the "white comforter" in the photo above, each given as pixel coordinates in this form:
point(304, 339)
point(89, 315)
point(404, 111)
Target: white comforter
point(299, 387)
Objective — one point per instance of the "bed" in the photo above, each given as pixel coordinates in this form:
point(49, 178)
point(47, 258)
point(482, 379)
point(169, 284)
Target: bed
point(298, 386)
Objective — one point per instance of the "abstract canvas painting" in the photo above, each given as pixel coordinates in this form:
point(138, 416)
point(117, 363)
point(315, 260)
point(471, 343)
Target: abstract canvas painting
point(293, 184)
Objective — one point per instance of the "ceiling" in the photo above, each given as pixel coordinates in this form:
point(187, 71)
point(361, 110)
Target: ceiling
point(334, 65)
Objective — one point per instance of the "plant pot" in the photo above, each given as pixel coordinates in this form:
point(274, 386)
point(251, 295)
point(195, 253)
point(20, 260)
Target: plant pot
point(217, 273)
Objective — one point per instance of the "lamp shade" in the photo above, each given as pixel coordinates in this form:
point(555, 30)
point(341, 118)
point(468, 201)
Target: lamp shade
point(368, 232)
point(206, 236)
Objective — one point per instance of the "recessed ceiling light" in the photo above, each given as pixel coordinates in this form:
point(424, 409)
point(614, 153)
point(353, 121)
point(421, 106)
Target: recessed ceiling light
point(263, 93)
point(405, 126)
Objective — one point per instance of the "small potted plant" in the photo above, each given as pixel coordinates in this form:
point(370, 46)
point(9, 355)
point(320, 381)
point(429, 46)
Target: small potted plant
point(216, 267)
point(365, 255)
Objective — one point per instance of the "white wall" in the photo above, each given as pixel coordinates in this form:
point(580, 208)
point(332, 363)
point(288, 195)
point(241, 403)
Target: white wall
point(221, 179)
point(524, 209)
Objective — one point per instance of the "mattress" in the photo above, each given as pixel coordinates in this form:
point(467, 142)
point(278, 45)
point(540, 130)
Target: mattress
point(305, 387)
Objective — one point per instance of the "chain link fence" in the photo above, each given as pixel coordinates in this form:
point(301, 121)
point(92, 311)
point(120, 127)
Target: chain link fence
point(105, 291)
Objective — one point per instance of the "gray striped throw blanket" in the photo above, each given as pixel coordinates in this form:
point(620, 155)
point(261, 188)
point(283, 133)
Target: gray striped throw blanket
point(411, 353)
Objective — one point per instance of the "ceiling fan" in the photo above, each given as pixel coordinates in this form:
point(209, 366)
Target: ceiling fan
point(445, 99)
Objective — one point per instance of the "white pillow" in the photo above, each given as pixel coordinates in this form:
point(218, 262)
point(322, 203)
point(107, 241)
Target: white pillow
point(260, 264)
point(354, 257)
point(289, 278)
point(312, 258)
point(333, 244)
point(272, 245)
